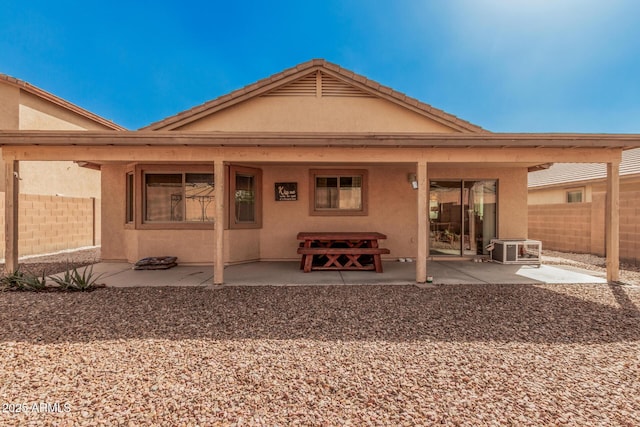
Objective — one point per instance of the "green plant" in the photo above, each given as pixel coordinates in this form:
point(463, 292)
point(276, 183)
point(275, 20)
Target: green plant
point(74, 280)
point(23, 281)
point(33, 282)
point(12, 281)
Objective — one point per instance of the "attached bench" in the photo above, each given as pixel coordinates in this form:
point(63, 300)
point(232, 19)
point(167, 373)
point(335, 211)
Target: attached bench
point(334, 263)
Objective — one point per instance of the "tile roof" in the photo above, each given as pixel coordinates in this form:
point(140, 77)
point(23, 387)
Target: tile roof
point(563, 173)
point(59, 101)
point(283, 77)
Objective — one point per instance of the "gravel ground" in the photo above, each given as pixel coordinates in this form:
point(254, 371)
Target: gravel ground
point(57, 263)
point(360, 355)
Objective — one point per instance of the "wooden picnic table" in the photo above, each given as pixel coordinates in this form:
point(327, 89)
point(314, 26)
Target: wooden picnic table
point(342, 250)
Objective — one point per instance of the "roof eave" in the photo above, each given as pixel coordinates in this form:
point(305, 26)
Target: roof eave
point(448, 140)
point(43, 94)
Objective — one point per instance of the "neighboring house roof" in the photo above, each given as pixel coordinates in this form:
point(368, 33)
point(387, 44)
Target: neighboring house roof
point(277, 81)
point(565, 173)
point(58, 101)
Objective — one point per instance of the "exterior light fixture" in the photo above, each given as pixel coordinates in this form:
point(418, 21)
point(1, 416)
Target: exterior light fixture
point(413, 180)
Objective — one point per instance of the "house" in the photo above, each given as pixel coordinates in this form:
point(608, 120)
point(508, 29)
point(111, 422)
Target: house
point(203, 184)
point(60, 198)
point(567, 207)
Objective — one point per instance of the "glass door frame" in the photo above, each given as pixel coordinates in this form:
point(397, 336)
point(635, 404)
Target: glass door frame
point(464, 208)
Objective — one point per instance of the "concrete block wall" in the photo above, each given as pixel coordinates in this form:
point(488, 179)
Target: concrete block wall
point(580, 228)
point(630, 227)
point(562, 227)
point(52, 223)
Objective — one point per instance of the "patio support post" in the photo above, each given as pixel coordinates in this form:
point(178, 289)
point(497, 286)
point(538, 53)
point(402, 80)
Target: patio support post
point(219, 178)
point(423, 224)
point(12, 191)
point(612, 221)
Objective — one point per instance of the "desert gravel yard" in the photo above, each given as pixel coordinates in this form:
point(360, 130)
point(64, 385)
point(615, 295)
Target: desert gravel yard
point(341, 355)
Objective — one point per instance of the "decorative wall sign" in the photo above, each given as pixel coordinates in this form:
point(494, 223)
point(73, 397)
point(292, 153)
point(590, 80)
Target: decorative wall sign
point(286, 191)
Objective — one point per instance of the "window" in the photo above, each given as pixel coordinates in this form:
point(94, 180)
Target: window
point(129, 215)
point(178, 197)
point(338, 192)
point(574, 196)
point(245, 194)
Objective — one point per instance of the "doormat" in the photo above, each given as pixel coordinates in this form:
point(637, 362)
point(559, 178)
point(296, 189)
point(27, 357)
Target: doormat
point(156, 263)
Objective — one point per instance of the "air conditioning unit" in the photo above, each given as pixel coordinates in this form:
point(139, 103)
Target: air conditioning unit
point(515, 251)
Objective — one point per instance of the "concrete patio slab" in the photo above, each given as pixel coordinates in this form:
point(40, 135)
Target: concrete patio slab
point(123, 275)
point(395, 273)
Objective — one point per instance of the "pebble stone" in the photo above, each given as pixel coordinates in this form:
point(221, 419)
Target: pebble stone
point(456, 355)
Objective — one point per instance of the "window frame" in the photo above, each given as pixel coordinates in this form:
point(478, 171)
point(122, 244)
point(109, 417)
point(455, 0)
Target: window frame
point(575, 191)
point(337, 173)
point(235, 170)
point(140, 196)
point(130, 198)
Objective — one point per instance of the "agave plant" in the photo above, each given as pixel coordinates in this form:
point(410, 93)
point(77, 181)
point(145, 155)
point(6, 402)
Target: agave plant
point(23, 281)
point(74, 280)
point(33, 282)
point(12, 281)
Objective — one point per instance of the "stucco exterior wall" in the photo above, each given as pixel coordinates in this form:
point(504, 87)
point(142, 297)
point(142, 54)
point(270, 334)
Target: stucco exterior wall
point(554, 195)
point(115, 245)
point(9, 101)
point(59, 178)
point(24, 111)
point(37, 113)
point(310, 114)
point(392, 210)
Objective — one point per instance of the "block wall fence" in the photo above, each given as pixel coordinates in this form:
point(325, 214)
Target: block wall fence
point(579, 227)
point(52, 223)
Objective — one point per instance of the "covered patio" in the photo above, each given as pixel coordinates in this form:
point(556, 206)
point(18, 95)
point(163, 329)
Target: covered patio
point(462, 151)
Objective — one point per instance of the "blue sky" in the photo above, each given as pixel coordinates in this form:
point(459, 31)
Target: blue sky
point(506, 65)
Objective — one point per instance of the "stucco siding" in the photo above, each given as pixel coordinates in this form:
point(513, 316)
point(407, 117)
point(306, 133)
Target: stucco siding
point(59, 178)
point(9, 112)
point(114, 242)
point(310, 114)
point(37, 113)
point(392, 210)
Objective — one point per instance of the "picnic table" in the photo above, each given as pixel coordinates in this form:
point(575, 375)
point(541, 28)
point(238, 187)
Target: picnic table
point(340, 250)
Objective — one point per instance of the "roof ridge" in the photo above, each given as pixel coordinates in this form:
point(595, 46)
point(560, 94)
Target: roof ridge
point(59, 101)
point(328, 66)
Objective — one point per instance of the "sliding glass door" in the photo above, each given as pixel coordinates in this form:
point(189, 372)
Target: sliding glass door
point(462, 216)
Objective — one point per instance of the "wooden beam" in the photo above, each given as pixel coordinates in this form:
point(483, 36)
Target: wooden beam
point(612, 221)
point(11, 195)
point(219, 179)
point(423, 223)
